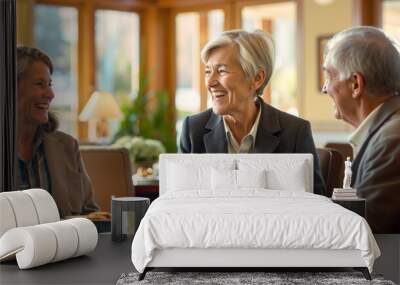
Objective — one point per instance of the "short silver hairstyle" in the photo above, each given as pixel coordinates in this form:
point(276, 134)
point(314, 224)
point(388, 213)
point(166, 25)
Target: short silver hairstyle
point(256, 51)
point(370, 52)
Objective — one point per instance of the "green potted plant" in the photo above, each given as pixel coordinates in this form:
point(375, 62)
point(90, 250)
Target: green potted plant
point(142, 152)
point(150, 123)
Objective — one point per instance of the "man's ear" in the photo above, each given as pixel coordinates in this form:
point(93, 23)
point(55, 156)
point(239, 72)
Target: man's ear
point(259, 79)
point(357, 84)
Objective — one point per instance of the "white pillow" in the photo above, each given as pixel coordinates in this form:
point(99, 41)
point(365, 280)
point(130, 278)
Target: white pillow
point(223, 179)
point(236, 179)
point(181, 177)
point(280, 175)
point(193, 176)
point(251, 178)
point(293, 179)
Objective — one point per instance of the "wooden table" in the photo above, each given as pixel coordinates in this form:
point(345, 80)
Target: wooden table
point(146, 188)
point(104, 265)
point(357, 205)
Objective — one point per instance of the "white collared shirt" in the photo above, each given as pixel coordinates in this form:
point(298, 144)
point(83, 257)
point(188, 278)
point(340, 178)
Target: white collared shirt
point(247, 143)
point(357, 138)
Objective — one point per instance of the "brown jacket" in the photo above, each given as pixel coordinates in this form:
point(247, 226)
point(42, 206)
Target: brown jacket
point(71, 187)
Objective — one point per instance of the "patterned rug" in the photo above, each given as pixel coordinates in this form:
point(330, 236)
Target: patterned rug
point(269, 278)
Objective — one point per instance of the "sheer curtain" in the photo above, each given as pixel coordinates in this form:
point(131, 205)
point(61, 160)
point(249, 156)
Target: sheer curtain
point(8, 98)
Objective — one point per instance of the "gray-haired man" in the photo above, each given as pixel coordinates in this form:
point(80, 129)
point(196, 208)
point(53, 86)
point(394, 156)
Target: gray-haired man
point(362, 66)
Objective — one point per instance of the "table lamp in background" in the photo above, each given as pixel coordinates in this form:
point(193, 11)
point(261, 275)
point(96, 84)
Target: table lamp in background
point(100, 108)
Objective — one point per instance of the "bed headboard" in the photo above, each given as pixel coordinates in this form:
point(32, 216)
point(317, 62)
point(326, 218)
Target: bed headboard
point(297, 166)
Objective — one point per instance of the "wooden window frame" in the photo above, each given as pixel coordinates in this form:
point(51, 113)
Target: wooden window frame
point(241, 4)
point(233, 18)
point(367, 12)
point(86, 53)
point(203, 10)
point(157, 28)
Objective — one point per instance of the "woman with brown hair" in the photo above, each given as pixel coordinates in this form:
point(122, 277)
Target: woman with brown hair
point(47, 158)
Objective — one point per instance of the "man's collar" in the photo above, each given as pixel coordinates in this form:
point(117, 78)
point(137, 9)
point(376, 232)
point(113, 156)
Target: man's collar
point(361, 133)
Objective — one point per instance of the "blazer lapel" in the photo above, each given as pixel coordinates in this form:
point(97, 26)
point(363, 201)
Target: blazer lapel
point(266, 139)
point(386, 111)
point(54, 151)
point(215, 140)
point(268, 127)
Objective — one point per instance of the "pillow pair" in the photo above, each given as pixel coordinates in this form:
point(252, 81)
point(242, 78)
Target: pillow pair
point(290, 179)
point(235, 179)
point(221, 175)
point(280, 175)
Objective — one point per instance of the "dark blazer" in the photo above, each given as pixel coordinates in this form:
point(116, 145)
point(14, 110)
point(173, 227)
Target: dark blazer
point(278, 132)
point(376, 169)
point(71, 187)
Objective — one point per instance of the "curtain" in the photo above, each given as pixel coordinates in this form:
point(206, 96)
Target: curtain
point(8, 114)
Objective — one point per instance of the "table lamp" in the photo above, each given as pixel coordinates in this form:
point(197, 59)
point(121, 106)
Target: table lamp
point(100, 108)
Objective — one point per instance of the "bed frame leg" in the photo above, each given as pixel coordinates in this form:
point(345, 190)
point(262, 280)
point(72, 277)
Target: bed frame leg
point(143, 274)
point(364, 271)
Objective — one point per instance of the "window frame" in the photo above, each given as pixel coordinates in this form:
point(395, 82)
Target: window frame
point(299, 40)
point(86, 53)
point(233, 20)
point(202, 9)
point(152, 33)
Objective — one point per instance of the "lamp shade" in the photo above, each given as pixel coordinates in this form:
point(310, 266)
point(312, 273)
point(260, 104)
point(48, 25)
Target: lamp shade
point(101, 105)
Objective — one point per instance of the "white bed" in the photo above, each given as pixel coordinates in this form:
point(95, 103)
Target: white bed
point(247, 210)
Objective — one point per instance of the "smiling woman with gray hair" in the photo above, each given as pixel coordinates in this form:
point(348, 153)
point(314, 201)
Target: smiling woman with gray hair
point(238, 66)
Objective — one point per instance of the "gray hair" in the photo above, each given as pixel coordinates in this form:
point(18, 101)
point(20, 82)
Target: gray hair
point(28, 55)
point(256, 51)
point(370, 52)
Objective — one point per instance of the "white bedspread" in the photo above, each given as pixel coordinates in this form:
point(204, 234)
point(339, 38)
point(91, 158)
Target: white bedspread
point(250, 218)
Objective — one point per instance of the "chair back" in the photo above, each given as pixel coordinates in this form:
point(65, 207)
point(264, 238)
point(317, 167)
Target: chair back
point(110, 172)
point(332, 168)
point(345, 149)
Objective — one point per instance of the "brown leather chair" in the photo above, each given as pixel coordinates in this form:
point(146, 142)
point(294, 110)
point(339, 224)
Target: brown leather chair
point(332, 168)
point(345, 148)
point(110, 172)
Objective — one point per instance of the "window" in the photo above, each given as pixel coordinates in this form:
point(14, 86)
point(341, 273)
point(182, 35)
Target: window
point(187, 95)
point(193, 31)
point(279, 20)
point(215, 27)
point(117, 55)
point(391, 18)
point(56, 33)
point(117, 52)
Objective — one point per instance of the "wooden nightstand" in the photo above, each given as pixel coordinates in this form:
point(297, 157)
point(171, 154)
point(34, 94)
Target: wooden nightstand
point(357, 205)
point(146, 188)
point(148, 191)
